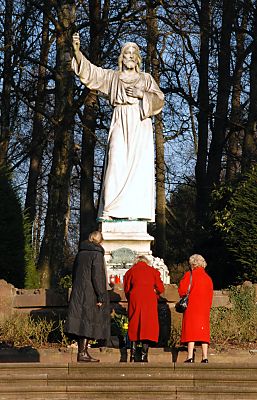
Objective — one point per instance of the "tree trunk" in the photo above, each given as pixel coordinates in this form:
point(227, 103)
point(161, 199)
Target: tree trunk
point(52, 253)
point(98, 20)
point(87, 207)
point(224, 85)
point(38, 133)
point(249, 155)
point(7, 78)
point(152, 40)
point(203, 116)
point(234, 147)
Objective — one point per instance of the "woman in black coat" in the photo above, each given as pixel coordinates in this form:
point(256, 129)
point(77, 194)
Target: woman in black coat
point(88, 313)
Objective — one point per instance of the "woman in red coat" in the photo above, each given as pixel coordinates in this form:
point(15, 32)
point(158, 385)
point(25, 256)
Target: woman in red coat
point(142, 285)
point(196, 318)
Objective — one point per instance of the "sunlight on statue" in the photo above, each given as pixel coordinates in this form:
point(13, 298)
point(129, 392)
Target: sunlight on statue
point(128, 182)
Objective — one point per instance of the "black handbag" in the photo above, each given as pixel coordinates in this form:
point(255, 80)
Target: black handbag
point(181, 305)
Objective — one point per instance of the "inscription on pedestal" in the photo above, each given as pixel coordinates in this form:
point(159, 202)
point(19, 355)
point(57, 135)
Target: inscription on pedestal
point(122, 257)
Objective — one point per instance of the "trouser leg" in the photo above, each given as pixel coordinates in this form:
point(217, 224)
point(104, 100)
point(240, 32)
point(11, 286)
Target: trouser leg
point(145, 347)
point(123, 349)
point(133, 348)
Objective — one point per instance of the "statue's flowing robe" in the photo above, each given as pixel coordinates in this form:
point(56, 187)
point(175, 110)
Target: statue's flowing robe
point(128, 189)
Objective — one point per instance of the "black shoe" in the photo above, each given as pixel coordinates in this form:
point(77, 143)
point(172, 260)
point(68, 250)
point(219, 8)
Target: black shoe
point(85, 357)
point(205, 361)
point(189, 360)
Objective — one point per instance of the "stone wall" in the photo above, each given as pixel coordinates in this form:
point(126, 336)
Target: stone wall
point(56, 300)
point(52, 304)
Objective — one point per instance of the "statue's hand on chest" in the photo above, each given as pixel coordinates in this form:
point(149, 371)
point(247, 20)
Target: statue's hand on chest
point(134, 91)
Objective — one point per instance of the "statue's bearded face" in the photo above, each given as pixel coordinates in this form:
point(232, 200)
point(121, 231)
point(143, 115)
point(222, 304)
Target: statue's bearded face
point(130, 57)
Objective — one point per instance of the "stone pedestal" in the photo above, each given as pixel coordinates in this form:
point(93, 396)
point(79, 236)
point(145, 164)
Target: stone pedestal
point(126, 234)
point(123, 242)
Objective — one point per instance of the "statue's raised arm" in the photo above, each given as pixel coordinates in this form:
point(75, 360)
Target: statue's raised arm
point(76, 47)
point(93, 77)
point(128, 182)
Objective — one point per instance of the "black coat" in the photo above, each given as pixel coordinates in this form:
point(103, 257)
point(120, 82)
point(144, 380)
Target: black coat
point(85, 318)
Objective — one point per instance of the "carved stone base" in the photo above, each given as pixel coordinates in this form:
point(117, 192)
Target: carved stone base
point(123, 241)
point(128, 234)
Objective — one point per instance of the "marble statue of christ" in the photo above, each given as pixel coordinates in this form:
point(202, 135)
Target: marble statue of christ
point(128, 189)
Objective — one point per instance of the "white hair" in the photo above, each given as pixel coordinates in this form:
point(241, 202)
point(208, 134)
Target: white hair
point(196, 260)
point(144, 259)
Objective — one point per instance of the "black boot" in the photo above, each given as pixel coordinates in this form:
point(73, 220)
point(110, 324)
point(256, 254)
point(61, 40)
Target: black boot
point(83, 354)
point(133, 348)
point(145, 348)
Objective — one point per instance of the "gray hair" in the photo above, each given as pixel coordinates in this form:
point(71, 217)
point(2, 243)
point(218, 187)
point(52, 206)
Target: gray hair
point(196, 260)
point(95, 237)
point(142, 258)
point(139, 59)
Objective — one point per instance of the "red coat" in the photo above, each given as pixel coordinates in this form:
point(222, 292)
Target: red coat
point(140, 285)
point(196, 318)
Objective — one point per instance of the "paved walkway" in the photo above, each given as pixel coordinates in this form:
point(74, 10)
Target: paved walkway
point(110, 355)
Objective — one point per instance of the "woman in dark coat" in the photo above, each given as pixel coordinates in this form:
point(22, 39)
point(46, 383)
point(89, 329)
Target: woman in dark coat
point(196, 318)
point(88, 313)
point(142, 285)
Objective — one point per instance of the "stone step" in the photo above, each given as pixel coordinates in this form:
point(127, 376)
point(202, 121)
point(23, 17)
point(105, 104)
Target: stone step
point(37, 381)
point(196, 376)
point(133, 392)
point(63, 368)
point(143, 370)
point(148, 379)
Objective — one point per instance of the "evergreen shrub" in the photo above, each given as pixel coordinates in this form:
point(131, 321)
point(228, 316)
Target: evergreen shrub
point(12, 260)
point(236, 220)
point(237, 324)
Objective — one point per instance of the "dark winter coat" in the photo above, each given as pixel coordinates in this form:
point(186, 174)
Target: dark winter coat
point(141, 285)
point(85, 318)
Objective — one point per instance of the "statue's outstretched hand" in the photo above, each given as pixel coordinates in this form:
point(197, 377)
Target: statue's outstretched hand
point(76, 42)
point(76, 47)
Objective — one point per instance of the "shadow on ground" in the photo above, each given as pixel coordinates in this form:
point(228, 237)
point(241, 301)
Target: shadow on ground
point(16, 355)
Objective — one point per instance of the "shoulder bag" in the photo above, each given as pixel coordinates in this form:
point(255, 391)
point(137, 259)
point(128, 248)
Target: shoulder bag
point(181, 305)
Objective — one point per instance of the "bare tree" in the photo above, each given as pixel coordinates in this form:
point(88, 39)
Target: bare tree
point(38, 140)
point(98, 22)
point(249, 155)
point(153, 66)
point(236, 128)
point(52, 254)
point(203, 115)
point(224, 86)
point(7, 79)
